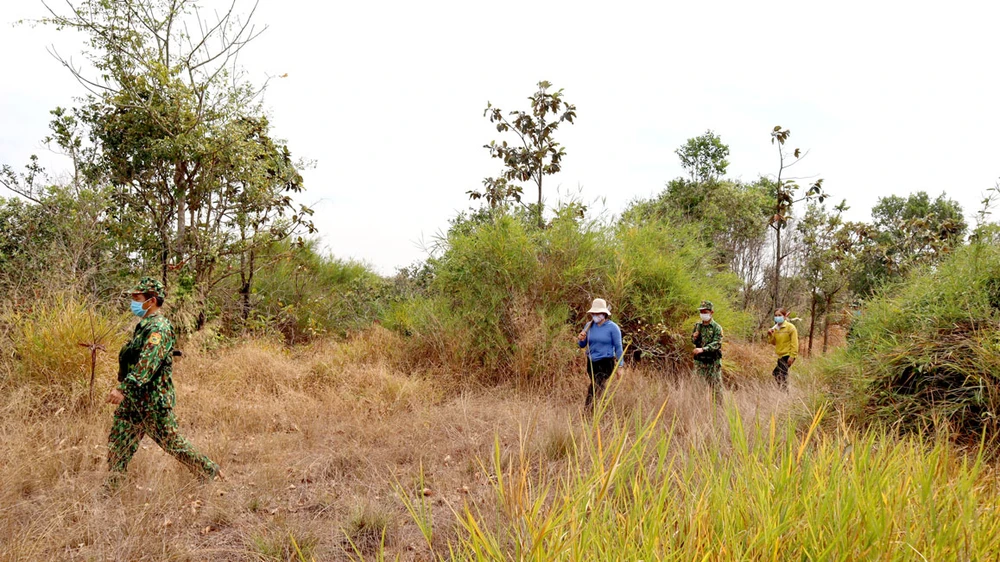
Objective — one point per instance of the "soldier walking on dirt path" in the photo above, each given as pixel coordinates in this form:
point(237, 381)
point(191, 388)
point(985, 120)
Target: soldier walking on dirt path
point(707, 339)
point(145, 394)
point(784, 336)
point(603, 340)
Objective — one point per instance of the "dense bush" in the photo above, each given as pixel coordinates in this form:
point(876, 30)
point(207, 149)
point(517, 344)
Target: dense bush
point(63, 243)
point(304, 294)
point(928, 353)
point(507, 298)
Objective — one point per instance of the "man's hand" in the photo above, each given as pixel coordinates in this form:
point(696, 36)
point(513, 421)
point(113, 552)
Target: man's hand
point(581, 336)
point(115, 397)
point(699, 350)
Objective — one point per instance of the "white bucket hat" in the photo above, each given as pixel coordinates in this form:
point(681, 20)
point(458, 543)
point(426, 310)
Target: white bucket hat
point(599, 307)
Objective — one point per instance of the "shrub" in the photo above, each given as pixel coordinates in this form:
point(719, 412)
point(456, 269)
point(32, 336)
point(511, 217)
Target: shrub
point(507, 298)
point(306, 294)
point(929, 352)
point(663, 273)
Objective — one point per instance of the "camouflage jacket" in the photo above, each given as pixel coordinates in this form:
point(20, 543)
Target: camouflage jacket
point(708, 337)
point(145, 365)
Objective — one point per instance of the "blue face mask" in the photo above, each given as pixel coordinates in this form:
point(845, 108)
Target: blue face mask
point(779, 319)
point(137, 309)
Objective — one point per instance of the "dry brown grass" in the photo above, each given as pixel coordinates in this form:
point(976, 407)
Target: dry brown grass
point(316, 444)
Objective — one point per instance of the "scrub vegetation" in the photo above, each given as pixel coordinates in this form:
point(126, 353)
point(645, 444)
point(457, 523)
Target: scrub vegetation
point(436, 413)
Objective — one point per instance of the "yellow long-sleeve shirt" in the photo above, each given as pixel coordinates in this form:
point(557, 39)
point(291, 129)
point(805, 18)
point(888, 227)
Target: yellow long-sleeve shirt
point(785, 340)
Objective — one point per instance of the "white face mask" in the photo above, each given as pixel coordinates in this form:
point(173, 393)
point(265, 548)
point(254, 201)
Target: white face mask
point(705, 317)
point(597, 318)
point(779, 319)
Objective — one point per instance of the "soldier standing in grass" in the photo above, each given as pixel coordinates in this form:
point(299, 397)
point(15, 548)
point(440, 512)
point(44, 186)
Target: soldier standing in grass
point(784, 336)
point(145, 394)
point(707, 339)
point(603, 340)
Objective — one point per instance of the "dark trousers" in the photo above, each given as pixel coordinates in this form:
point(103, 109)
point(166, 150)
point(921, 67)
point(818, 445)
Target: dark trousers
point(599, 372)
point(781, 373)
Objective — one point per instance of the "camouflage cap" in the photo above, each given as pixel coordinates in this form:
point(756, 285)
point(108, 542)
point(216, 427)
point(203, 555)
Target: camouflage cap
point(706, 305)
point(150, 285)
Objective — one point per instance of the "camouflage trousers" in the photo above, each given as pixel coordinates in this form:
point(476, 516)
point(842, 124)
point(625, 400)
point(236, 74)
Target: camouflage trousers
point(712, 373)
point(128, 430)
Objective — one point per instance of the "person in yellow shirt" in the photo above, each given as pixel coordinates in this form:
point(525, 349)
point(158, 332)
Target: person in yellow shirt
point(785, 339)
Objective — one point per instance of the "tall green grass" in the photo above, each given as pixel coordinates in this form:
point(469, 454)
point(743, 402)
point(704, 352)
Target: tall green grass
point(772, 491)
point(926, 353)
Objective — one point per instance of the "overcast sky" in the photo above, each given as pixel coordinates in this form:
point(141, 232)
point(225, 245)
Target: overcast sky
point(388, 98)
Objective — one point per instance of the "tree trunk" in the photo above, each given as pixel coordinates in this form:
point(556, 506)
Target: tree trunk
point(541, 223)
point(245, 289)
point(181, 195)
point(812, 324)
point(826, 323)
point(164, 258)
point(777, 268)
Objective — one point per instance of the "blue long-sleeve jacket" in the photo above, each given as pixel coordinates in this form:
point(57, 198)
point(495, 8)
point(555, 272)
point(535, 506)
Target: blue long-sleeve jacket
point(605, 341)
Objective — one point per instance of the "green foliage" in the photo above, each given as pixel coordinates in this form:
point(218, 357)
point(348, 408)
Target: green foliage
point(704, 157)
point(506, 298)
point(829, 258)
point(487, 280)
point(661, 274)
point(277, 544)
point(906, 233)
point(730, 216)
point(29, 184)
point(927, 353)
point(198, 183)
point(303, 294)
point(370, 530)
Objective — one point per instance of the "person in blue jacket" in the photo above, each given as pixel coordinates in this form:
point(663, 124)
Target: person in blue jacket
point(603, 340)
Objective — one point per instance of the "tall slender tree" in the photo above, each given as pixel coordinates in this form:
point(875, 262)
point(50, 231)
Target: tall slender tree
point(535, 152)
point(784, 201)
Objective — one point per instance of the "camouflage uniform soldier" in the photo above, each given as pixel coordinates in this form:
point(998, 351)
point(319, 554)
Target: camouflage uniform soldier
point(707, 339)
point(145, 394)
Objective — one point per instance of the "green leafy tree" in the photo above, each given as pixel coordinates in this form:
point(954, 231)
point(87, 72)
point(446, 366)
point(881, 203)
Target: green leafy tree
point(829, 248)
point(908, 232)
point(729, 216)
point(534, 154)
point(704, 157)
point(181, 136)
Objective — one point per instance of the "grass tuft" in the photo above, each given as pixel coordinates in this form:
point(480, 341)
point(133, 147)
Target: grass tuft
point(370, 529)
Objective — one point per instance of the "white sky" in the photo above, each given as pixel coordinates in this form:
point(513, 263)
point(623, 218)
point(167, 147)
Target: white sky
point(388, 98)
